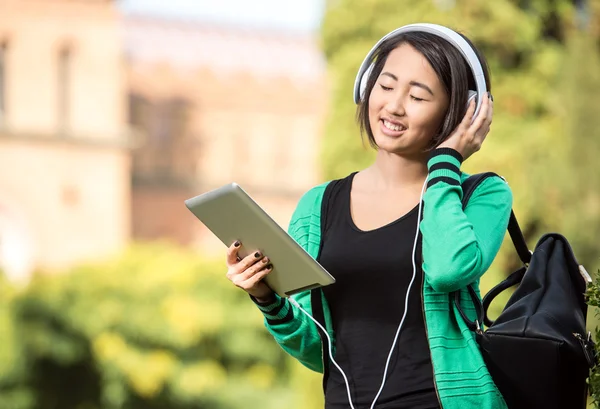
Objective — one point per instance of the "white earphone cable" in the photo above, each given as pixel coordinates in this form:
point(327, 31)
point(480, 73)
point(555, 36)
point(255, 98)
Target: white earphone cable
point(412, 280)
point(330, 351)
point(294, 302)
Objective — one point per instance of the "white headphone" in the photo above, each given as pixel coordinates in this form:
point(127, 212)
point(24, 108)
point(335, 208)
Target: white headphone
point(360, 84)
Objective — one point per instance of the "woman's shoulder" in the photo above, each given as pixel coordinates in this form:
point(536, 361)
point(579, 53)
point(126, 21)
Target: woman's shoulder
point(313, 194)
point(493, 185)
point(316, 192)
point(311, 200)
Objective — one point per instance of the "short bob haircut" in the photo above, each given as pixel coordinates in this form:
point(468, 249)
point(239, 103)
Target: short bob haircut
point(451, 68)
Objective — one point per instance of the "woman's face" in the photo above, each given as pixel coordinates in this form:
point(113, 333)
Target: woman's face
point(407, 104)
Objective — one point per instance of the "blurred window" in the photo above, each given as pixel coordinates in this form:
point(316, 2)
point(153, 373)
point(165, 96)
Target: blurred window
point(170, 122)
point(64, 79)
point(3, 48)
point(139, 108)
point(167, 153)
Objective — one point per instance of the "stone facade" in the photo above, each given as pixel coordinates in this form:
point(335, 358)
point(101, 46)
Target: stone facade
point(220, 105)
point(108, 123)
point(64, 145)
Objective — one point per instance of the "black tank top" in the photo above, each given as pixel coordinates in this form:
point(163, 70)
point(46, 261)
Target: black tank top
point(373, 270)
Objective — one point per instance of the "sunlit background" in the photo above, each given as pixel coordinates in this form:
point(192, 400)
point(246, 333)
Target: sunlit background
point(112, 113)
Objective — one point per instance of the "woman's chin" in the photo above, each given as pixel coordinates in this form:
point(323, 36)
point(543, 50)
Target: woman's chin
point(390, 144)
point(398, 146)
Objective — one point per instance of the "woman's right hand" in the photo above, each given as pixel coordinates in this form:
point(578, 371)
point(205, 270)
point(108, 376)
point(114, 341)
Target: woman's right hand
point(247, 273)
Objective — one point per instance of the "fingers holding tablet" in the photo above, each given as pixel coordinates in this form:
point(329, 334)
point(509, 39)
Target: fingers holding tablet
point(232, 254)
point(247, 273)
point(246, 228)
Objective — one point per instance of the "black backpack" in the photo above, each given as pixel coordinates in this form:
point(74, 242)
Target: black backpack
point(538, 351)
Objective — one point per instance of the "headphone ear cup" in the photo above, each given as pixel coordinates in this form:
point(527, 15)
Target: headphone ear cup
point(363, 81)
point(472, 96)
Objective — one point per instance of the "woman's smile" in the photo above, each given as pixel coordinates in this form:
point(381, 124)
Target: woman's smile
point(392, 129)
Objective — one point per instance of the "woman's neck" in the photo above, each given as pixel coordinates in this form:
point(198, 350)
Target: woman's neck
point(391, 171)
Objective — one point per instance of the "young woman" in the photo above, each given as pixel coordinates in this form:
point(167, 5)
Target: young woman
point(396, 252)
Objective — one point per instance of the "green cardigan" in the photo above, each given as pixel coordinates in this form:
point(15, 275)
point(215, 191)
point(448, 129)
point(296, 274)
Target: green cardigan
point(458, 246)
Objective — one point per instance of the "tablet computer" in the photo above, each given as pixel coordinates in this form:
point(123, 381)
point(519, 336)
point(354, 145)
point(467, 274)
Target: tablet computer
point(231, 214)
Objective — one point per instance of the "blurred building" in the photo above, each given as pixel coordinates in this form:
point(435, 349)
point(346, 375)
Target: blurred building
point(209, 105)
point(64, 157)
point(218, 105)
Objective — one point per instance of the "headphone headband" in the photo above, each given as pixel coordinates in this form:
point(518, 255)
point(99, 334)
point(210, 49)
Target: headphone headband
point(447, 34)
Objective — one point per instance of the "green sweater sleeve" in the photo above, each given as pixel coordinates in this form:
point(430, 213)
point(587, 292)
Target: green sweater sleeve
point(459, 246)
point(291, 328)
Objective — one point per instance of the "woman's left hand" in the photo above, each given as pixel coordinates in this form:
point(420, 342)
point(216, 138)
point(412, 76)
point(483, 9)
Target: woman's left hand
point(468, 137)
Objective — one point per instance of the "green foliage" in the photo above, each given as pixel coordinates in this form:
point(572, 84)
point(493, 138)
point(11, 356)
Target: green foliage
point(158, 328)
point(13, 392)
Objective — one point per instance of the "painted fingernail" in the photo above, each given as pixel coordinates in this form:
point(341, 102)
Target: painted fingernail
point(490, 96)
point(236, 244)
point(257, 254)
point(270, 266)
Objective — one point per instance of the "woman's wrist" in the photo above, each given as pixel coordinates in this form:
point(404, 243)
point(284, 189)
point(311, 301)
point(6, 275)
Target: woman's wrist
point(265, 299)
point(446, 150)
point(443, 165)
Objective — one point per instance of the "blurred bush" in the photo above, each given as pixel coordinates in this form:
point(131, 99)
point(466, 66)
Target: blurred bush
point(14, 393)
point(157, 328)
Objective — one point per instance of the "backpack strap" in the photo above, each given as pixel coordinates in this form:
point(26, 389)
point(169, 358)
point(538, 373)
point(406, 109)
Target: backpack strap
point(516, 235)
point(469, 186)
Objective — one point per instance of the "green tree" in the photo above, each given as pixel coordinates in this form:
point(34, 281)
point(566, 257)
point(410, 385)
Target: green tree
point(580, 97)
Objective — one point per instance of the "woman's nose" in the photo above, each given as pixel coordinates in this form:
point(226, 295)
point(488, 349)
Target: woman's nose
point(395, 105)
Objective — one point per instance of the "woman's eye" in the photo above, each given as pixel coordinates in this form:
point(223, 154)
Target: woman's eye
point(383, 87)
point(416, 99)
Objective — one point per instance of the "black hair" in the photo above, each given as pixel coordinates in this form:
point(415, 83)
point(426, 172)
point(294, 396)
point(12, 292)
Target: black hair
point(451, 68)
